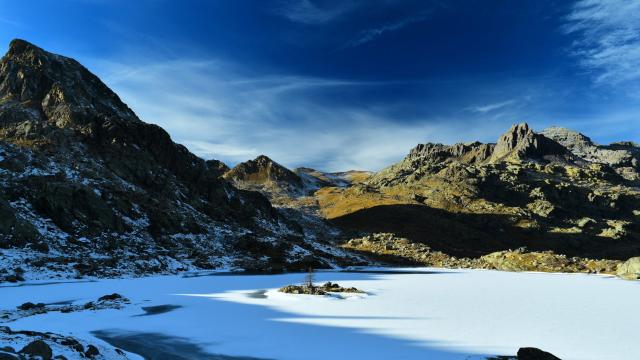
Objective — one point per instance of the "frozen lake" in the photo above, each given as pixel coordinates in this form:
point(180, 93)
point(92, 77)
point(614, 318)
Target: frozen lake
point(412, 314)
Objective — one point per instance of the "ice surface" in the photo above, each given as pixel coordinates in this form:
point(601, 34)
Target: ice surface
point(417, 314)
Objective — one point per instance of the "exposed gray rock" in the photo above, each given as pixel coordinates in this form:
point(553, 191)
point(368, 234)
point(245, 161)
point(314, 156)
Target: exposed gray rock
point(469, 152)
point(324, 289)
point(630, 269)
point(521, 142)
point(617, 155)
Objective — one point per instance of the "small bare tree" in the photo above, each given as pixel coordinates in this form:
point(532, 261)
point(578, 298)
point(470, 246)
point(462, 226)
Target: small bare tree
point(309, 278)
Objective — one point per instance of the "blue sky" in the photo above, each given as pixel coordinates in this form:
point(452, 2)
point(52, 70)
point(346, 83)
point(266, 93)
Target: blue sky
point(353, 83)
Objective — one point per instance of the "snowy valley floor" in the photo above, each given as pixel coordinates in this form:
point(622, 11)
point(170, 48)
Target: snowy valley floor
point(407, 314)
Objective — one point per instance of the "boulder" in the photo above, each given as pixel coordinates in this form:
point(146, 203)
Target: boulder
point(585, 222)
point(8, 353)
point(8, 356)
point(629, 269)
point(31, 306)
point(92, 351)
point(112, 297)
point(530, 353)
point(38, 348)
point(73, 343)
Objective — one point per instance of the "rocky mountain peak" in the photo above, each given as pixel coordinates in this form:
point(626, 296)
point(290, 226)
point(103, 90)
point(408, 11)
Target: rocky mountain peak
point(19, 46)
point(52, 101)
point(515, 137)
point(264, 160)
point(520, 142)
point(80, 174)
point(263, 170)
point(41, 92)
point(567, 137)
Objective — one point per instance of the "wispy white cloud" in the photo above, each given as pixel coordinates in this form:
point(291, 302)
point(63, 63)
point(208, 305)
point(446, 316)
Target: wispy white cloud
point(371, 34)
point(225, 111)
point(214, 150)
point(491, 107)
point(312, 13)
point(218, 111)
point(608, 41)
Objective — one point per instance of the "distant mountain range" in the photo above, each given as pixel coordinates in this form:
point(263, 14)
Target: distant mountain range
point(554, 190)
point(529, 189)
point(90, 189)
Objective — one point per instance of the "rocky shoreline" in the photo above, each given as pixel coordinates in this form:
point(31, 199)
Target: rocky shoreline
point(389, 248)
point(50, 346)
point(112, 301)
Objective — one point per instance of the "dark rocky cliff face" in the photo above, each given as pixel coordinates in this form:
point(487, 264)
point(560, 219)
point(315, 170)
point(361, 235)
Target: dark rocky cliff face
point(86, 183)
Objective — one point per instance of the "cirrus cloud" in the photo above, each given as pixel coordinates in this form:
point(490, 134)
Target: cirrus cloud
point(220, 111)
point(608, 39)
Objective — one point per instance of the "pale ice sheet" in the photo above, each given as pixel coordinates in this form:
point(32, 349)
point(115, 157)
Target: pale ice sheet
point(418, 314)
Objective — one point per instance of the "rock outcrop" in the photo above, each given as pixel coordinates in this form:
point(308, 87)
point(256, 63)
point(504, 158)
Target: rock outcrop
point(547, 261)
point(469, 153)
point(629, 269)
point(520, 142)
point(392, 249)
point(50, 346)
point(324, 289)
point(530, 353)
point(624, 157)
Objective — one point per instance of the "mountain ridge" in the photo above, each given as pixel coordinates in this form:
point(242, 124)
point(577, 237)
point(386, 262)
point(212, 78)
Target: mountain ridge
point(90, 189)
point(469, 199)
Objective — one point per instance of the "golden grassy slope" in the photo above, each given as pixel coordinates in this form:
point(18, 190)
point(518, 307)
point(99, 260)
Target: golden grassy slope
point(335, 202)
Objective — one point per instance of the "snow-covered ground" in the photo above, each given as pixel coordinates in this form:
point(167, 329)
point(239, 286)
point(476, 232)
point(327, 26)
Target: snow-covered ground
point(411, 314)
